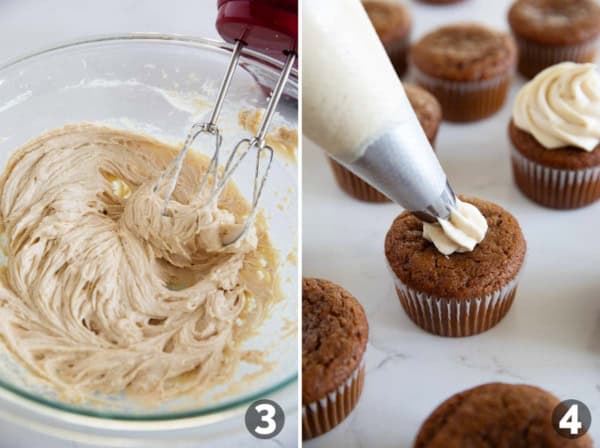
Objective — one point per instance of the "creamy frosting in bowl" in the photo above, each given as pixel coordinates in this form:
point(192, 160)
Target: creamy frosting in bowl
point(561, 106)
point(104, 294)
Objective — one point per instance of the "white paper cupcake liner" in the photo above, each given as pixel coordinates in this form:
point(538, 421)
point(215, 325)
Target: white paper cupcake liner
point(554, 187)
point(533, 58)
point(455, 317)
point(466, 100)
point(323, 415)
point(459, 86)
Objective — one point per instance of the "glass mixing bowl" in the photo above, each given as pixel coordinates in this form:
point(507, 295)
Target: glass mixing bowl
point(159, 85)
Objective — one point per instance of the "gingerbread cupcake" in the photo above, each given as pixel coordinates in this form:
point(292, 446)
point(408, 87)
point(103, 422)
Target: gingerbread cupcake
point(393, 23)
point(457, 277)
point(555, 132)
point(496, 415)
point(552, 31)
point(467, 67)
point(429, 114)
point(334, 339)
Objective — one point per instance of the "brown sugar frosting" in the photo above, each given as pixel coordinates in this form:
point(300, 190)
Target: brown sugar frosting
point(105, 294)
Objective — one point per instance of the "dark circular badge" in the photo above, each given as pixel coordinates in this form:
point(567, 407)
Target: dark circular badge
point(264, 419)
point(571, 419)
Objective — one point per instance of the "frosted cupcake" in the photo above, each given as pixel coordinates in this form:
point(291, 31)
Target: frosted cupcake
point(555, 131)
point(457, 277)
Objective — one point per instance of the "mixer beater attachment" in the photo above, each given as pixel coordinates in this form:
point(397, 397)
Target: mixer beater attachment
point(213, 182)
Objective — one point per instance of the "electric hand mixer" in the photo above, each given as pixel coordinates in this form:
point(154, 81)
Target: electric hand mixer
point(355, 108)
point(267, 26)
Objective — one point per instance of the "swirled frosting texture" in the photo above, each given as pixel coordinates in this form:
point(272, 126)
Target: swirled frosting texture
point(561, 106)
point(105, 294)
point(465, 228)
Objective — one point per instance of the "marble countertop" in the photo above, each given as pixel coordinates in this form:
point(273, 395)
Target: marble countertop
point(550, 337)
point(35, 24)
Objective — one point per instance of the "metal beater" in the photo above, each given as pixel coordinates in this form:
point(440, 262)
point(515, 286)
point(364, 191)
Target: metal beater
point(270, 27)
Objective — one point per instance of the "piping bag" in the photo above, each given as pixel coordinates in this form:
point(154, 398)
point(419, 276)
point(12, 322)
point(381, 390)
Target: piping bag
point(355, 108)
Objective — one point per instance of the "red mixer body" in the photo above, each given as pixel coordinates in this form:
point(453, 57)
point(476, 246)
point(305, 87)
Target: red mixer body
point(267, 26)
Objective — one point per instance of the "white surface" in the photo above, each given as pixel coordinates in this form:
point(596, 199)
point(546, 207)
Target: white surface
point(550, 337)
point(29, 25)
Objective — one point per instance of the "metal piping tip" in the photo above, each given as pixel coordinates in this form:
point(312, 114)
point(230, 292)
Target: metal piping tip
point(441, 208)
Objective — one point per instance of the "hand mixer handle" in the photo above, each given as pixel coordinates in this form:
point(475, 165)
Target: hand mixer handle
point(267, 26)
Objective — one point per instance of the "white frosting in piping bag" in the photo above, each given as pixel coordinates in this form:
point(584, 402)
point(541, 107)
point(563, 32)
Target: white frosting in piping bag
point(561, 106)
point(352, 94)
point(465, 228)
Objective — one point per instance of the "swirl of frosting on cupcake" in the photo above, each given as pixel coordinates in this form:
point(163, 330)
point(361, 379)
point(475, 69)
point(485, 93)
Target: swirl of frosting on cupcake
point(461, 232)
point(561, 106)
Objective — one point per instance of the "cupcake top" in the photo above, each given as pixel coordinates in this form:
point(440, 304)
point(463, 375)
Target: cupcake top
point(464, 52)
point(555, 22)
point(334, 337)
point(390, 20)
point(496, 414)
point(488, 267)
point(427, 108)
point(560, 107)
